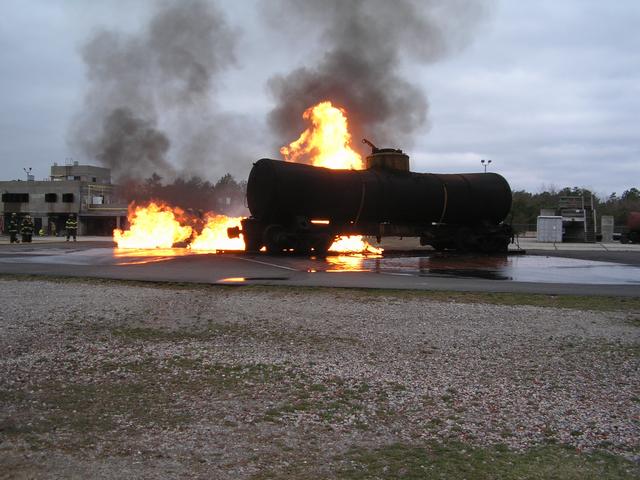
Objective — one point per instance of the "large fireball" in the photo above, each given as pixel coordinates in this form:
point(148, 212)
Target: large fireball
point(326, 142)
point(155, 225)
point(214, 234)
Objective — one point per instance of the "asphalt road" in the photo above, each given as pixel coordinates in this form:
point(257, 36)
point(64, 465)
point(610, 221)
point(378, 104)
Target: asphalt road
point(546, 271)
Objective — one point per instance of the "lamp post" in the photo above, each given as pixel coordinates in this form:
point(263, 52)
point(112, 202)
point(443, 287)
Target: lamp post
point(485, 164)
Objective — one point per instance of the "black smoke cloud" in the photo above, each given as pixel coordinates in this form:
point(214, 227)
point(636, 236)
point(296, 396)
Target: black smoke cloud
point(150, 93)
point(364, 45)
point(133, 143)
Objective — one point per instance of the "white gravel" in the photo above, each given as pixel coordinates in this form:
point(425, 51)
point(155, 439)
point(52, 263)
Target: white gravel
point(111, 380)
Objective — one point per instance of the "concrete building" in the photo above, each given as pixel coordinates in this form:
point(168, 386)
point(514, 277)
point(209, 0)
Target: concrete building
point(84, 190)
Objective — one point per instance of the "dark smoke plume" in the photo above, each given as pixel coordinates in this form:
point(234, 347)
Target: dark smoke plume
point(365, 43)
point(136, 143)
point(149, 92)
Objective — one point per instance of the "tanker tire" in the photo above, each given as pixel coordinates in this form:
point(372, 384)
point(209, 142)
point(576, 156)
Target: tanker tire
point(321, 245)
point(252, 244)
point(270, 239)
point(439, 247)
point(464, 242)
point(489, 245)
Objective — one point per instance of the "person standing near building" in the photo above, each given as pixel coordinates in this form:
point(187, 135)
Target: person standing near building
point(26, 229)
point(13, 229)
point(72, 227)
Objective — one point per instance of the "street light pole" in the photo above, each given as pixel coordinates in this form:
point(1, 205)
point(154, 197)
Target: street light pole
point(485, 164)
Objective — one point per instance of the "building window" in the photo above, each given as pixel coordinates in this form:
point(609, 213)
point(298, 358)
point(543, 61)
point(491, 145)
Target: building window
point(94, 179)
point(51, 197)
point(67, 197)
point(15, 197)
point(76, 177)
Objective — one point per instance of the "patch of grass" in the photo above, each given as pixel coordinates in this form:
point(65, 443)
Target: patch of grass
point(456, 460)
point(577, 302)
point(147, 334)
point(216, 330)
point(334, 401)
point(617, 348)
point(91, 409)
point(633, 320)
point(128, 396)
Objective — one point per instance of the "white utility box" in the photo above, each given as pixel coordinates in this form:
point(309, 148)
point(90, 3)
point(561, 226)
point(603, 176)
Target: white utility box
point(549, 229)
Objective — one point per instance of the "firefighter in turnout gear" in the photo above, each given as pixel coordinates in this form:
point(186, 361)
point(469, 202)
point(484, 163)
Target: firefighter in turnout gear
point(13, 229)
point(72, 227)
point(26, 229)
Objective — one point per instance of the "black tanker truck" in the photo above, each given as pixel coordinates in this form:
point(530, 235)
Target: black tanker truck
point(301, 208)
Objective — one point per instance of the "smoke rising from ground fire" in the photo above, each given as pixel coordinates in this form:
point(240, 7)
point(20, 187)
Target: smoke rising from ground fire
point(364, 44)
point(151, 92)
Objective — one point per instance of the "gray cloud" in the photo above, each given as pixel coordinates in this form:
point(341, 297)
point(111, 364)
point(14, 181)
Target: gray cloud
point(547, 89)
point(551, 102)
point(165, 73)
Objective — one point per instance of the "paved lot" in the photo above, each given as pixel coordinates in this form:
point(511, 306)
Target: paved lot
point(599, 271)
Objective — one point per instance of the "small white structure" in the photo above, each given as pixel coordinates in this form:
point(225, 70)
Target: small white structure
point(607, 228)
point(549, 229)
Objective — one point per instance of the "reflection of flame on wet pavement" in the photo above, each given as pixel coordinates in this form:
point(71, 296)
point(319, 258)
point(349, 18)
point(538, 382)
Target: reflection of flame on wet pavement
point(491, 268)
point(346, 263)
point(495, 268)
point(142, 256)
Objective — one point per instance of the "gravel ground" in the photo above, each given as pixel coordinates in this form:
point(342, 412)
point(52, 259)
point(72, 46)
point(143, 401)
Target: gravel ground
point(109, 380)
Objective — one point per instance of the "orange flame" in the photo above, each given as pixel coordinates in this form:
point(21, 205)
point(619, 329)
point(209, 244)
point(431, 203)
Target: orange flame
point(153, 226)
point(159, 226)
point(327, 142)
point(354, 243)
point(214, 234)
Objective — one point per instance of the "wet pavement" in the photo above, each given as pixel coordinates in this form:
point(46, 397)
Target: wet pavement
point(517, 268)
point(428, 270)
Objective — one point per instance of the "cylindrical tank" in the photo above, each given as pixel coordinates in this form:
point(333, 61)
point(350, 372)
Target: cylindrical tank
point(278, 191)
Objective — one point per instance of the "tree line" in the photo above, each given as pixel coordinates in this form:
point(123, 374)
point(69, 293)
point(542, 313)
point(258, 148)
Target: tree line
point(187, 193)
point(197, 193)
point(526, 206)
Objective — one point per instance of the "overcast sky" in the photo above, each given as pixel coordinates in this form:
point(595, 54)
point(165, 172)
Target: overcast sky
point(549, 90)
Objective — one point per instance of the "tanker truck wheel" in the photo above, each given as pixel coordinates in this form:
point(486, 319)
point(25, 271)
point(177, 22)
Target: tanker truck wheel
point(439, 246)
point(252, 233)
point(322, 244)
point(465, 240)
point(273, 239)
point(489, 244)
point(252, 244)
